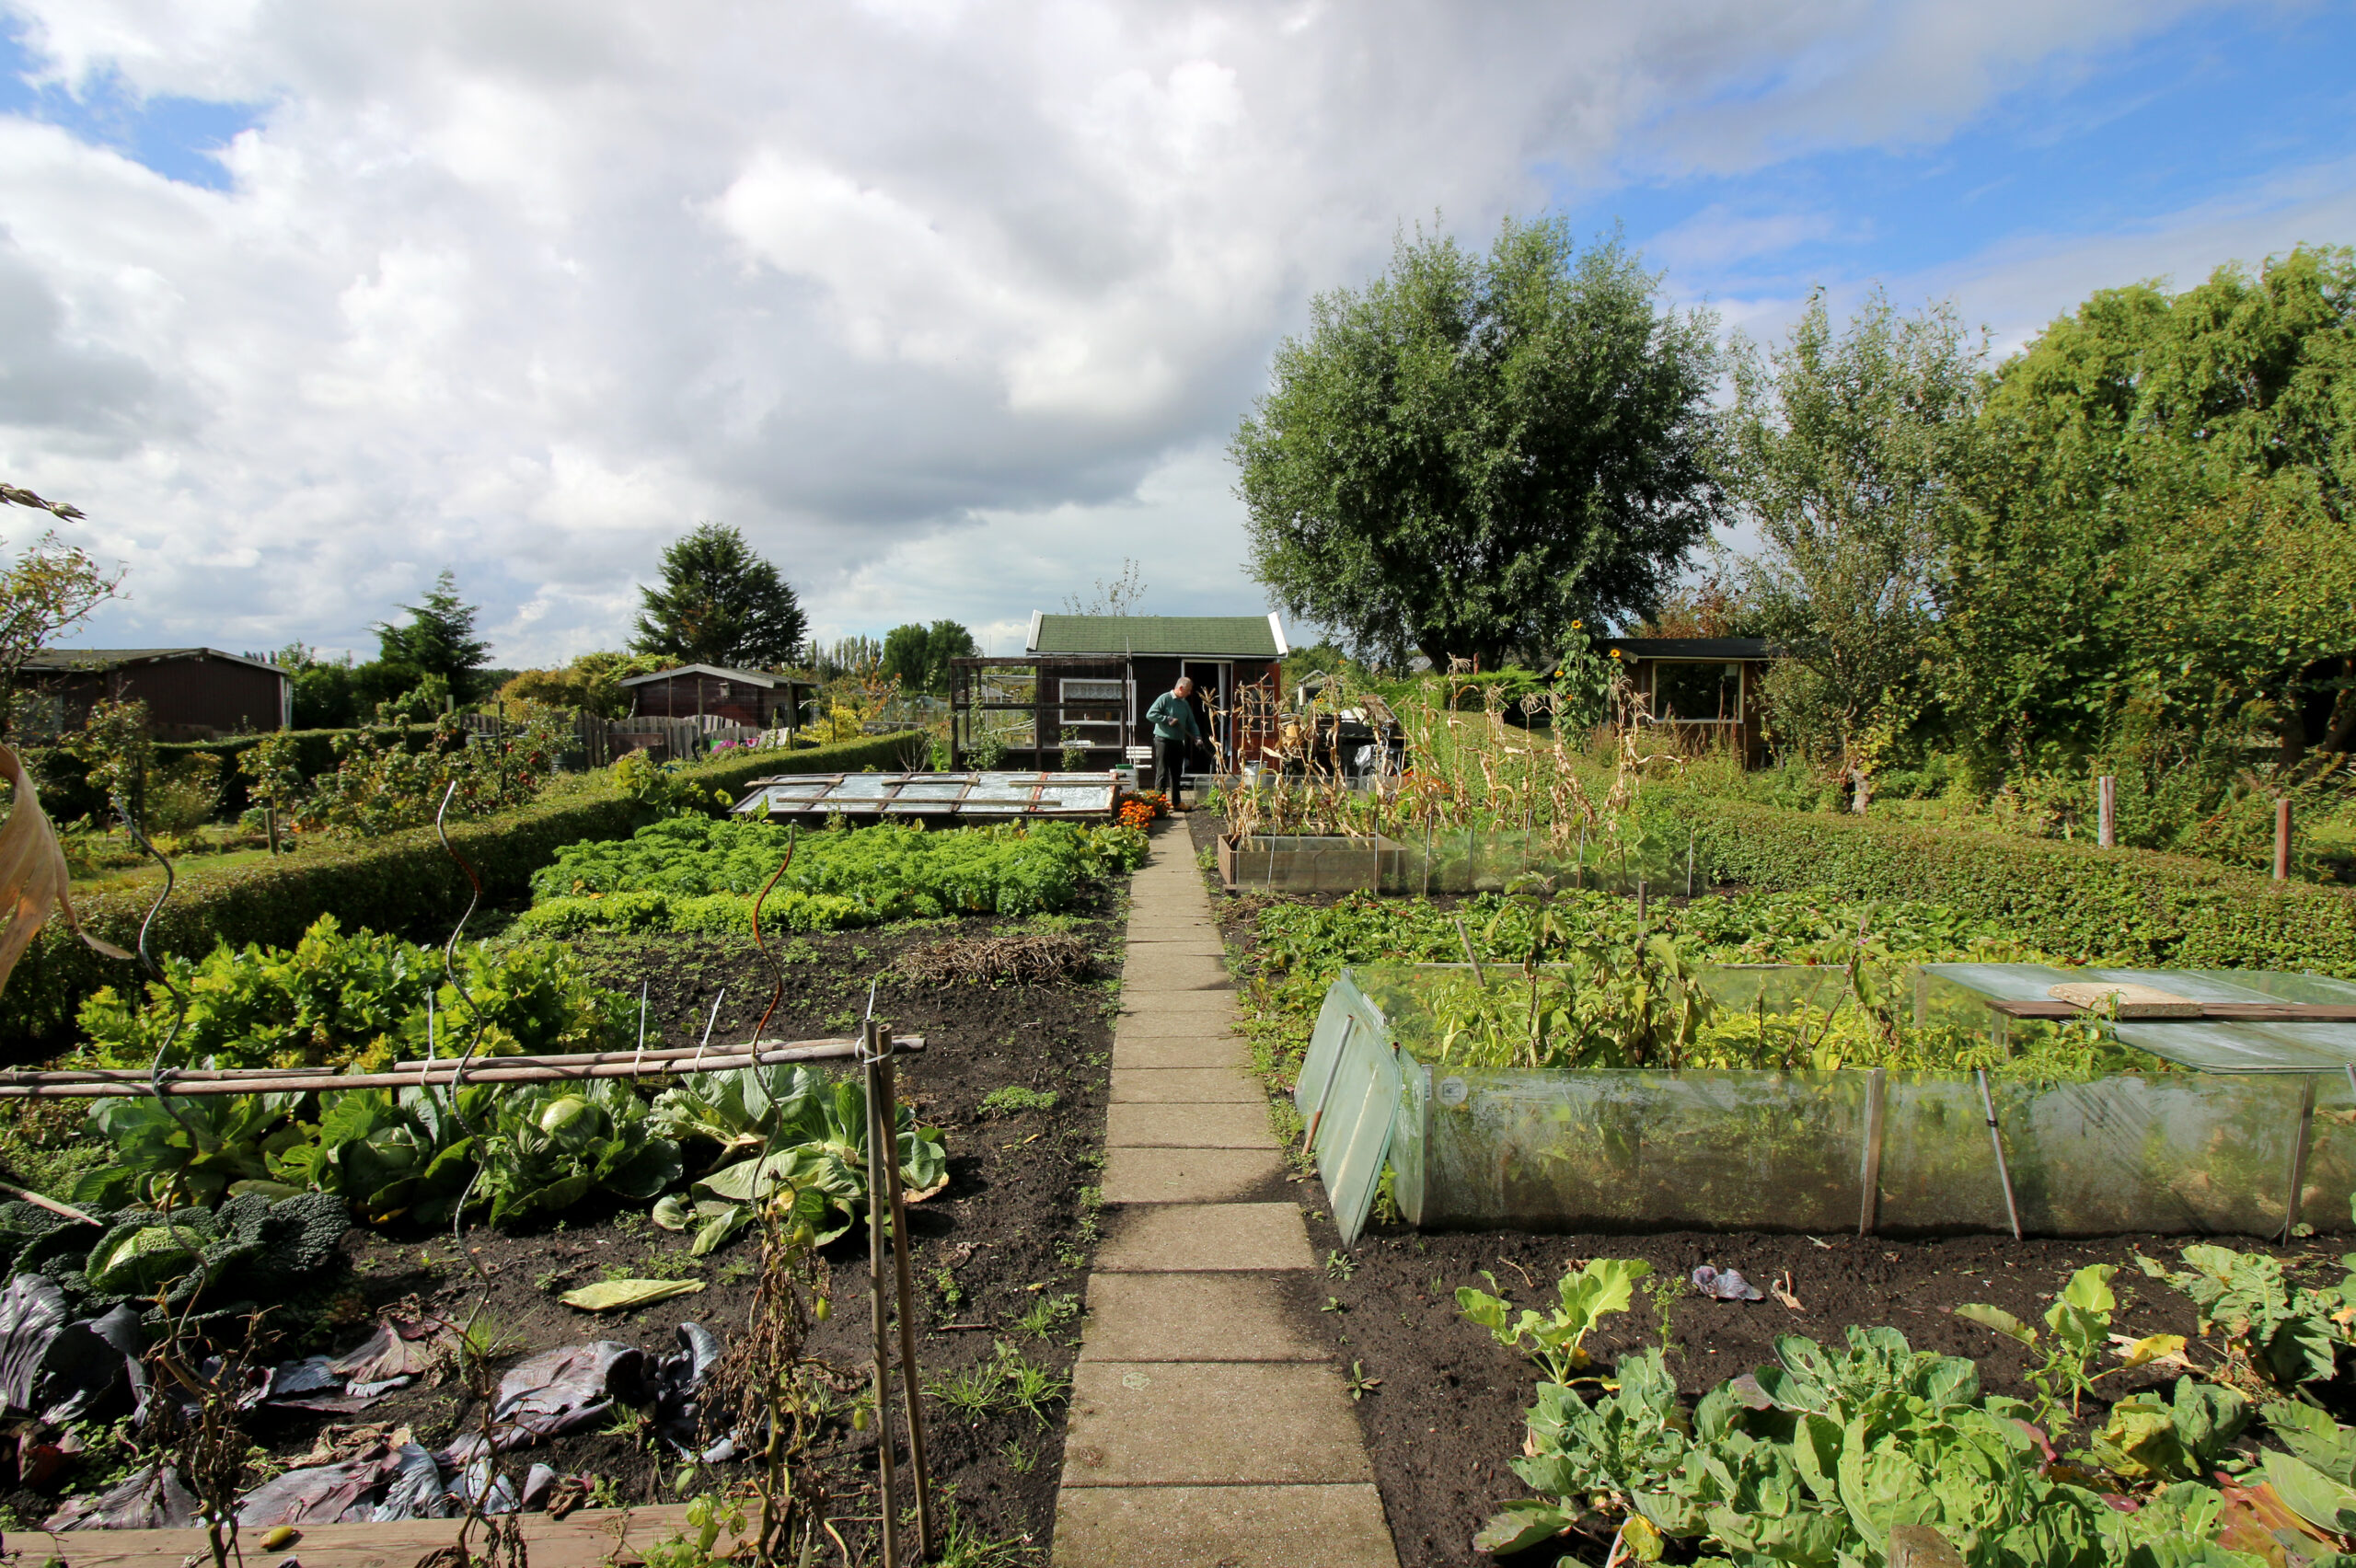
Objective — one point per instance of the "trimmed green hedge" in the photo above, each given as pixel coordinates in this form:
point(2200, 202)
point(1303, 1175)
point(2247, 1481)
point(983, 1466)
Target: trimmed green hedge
point(393, 884)
point(2157, 910)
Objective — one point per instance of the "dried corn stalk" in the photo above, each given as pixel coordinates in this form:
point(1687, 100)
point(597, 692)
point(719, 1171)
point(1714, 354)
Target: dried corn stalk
point(32, 873)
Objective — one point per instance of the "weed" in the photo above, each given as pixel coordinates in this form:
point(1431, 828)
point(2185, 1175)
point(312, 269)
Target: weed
point(656, 1264)
point(1332, 1304)
point(1048, 1314)
point(736, 1271)
point(1014, 1099)
point(1358, 1383)
point(952, 1295)
point(1020, 1457)
point(1341, 1265)
point(1004, 1383)
point(1663, 1293)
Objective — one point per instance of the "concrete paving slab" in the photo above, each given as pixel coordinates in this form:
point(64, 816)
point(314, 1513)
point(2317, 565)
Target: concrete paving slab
point(1138, 1004)
point(1173, 1238)
point(1175, 946)
point(1151, 967)
point(1216, 1126)
point(1185, 1086)
point(1197, 1317)
point(1198, 1049)
point(1191, 1175)
point(1220, 1424)
point(1233, 1527)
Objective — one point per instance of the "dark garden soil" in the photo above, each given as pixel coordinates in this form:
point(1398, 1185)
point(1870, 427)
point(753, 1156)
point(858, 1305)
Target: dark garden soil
point(1440, 1403)
point(1445, 1419)
point(1009, 1238)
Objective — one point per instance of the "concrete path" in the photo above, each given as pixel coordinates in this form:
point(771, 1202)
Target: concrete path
point(1209, 1426)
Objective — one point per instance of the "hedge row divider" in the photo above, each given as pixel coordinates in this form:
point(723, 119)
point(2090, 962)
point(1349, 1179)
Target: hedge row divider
point(443, 1072)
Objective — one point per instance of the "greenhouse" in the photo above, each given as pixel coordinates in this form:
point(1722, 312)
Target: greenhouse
point(2244, 1124)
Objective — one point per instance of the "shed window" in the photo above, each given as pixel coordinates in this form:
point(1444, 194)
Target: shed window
point(1693, 692)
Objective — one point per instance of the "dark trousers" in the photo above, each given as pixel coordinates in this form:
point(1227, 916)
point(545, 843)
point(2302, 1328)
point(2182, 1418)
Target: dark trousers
point(1169, 764)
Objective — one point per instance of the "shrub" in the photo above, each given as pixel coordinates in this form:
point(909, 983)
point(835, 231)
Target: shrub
point(399, 883)
point(2149, 908)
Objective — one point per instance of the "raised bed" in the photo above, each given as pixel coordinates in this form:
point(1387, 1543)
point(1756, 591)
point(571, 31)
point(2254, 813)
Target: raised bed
point(1460, 861)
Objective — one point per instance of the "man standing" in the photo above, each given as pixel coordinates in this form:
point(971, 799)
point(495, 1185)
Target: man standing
point(1174, 734)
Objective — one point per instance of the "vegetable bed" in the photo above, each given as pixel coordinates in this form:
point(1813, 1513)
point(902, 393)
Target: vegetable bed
point(1013, 1078)
point(1583, 1397)
point(1443, 1405)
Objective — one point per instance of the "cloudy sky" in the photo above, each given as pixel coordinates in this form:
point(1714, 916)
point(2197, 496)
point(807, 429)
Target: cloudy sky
point(953, 307)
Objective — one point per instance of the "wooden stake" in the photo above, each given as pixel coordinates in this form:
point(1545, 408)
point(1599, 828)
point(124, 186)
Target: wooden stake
point(2283, 840)
point(910, 1385)
point(2107, 807)
point(875, 1218)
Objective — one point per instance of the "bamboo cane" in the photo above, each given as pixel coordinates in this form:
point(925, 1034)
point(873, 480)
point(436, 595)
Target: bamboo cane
point(888, 1117)
point(486, 1070)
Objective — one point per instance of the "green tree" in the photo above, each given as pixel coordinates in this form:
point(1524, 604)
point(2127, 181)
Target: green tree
point(1848, 450)
point(324, 696)
point(48, 590)
point(1475, 452)
point(917, 656)
point(2160, 556)
point(719, 603)
point(591, 682)
point(438, 640)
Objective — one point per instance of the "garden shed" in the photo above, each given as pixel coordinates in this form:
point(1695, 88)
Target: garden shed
point(192, 694)
point(1707, 688)
point(1234, 662)
point(758, 698)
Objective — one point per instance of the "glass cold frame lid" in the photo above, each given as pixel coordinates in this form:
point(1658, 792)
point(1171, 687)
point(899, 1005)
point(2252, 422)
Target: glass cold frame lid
point(997, 795)
point(2206, 1044)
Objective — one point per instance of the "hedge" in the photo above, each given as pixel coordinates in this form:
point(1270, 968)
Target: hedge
point(395, 882)
point(2155, 910)
point(66, 793)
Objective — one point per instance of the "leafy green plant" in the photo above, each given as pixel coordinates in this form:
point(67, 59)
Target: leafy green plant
point(816, 1133)
point(1820, 1457)
point(390, 1152)
point(2273, 1335)
point(2077, 1330)
point(698, 874)
point(189, 1153)
point(1556, 1339)
point(549, 1145)
point(339, 998)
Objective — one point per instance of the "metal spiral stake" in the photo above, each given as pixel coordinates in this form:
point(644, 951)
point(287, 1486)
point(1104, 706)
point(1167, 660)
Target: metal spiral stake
point(886, 1204)
point(220, 1524)
point(474, 1039)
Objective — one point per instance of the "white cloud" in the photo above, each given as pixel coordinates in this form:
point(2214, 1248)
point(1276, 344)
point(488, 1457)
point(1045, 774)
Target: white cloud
point(949, 306)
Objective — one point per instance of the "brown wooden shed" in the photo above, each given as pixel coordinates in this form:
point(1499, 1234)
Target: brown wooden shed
point(192, 694)
point(760, 699)
point(1707, 688)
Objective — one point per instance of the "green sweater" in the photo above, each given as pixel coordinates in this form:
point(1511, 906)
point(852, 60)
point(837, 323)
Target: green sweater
point(1172, 718)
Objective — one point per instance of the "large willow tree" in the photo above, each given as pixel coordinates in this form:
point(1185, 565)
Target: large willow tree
point(1475, 451)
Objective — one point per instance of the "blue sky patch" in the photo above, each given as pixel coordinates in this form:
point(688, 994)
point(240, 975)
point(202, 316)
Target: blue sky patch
point(2222, 107)
point(177, 137)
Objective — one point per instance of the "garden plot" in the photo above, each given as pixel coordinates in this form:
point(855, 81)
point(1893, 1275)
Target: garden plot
point(1012, 1081)
point(2136, 1449)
